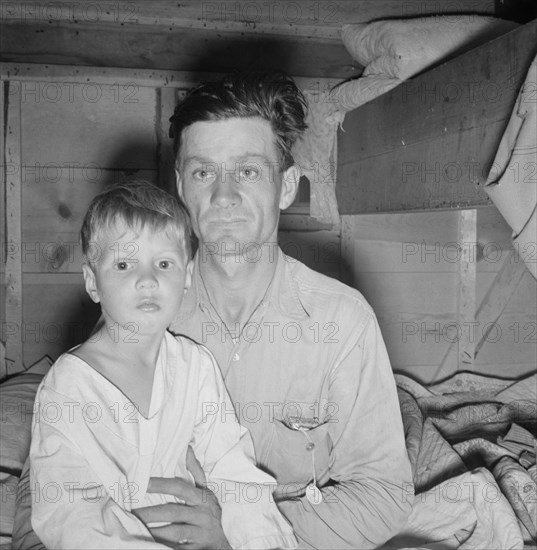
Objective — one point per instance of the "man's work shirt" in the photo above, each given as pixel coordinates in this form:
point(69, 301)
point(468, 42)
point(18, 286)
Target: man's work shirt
point(310, 377)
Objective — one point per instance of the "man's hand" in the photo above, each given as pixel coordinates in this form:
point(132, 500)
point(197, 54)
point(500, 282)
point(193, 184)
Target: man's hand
point(288, 491)
point(194, 525)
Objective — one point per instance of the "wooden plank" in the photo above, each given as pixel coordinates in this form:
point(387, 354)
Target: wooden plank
point(467, 230)
point(440, 132)
point(52, 213)
point(92, 127)
point(58, 314)
point(191, 50)
point(72, 78)
point(3, 92)
point(13, 269)
point(306, 18)
point(77, 74)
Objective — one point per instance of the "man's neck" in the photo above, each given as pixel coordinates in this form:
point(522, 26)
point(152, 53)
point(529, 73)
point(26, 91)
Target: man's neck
point(236, 284)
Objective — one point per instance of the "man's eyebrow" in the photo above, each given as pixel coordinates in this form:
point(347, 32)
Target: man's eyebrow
point(196, 158)
point(237, 158)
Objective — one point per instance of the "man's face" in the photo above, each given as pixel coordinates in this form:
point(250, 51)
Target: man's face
point(231, 182)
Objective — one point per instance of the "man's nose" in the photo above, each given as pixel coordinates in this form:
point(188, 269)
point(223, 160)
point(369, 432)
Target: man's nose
point(225, 191)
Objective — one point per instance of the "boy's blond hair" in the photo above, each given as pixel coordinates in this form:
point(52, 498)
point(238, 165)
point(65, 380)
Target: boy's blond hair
point(137, 204)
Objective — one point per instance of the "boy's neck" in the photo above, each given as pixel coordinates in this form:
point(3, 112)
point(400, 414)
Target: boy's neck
point(139, 349)
point(126, 359)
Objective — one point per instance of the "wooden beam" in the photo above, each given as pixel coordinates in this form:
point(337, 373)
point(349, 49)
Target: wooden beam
point(158, 48)
point(65, 75)
point(13, 242)
point(429, 143)
point(3, 364)
point(467, 241)
point(307, 18)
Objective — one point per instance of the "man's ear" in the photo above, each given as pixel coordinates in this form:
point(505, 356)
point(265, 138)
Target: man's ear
point(188, 278)
point(290, 179)
point(90, 283)
point(179, 182)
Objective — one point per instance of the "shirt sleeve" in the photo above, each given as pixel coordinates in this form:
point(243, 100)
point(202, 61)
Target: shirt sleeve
point(70, 506)
point(369, 494)
point(250, 517)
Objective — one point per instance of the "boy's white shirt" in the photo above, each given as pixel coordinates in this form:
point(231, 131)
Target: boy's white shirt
point(86, 433)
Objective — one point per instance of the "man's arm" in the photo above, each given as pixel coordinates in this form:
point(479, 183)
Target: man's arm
point(249, 515)
point(369, 495)
point(24, 537)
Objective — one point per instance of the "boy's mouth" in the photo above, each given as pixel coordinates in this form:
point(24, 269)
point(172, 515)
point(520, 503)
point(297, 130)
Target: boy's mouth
point(148, 305)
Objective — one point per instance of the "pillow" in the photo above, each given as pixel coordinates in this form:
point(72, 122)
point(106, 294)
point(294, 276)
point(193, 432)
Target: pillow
point(393, 50)
point(17, 395)
point(400, 48)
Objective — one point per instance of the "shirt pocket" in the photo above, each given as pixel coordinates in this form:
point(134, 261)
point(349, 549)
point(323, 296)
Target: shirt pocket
point(292, 453)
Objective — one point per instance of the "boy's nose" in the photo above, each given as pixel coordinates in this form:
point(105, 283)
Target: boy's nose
point(147, 280)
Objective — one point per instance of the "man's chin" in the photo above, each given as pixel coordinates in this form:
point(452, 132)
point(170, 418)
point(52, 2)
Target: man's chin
point(227, 247)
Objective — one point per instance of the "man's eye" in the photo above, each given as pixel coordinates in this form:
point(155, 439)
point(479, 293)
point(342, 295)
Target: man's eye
point(250, 173)
point(203, 175)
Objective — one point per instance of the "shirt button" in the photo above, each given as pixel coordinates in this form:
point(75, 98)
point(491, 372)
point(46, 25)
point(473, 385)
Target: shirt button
point(236, 357)
point(310, 446)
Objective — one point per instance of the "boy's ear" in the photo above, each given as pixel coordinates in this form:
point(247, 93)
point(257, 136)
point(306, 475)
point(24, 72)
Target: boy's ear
point(90, 283)
point(290, 179)
point(188, 278)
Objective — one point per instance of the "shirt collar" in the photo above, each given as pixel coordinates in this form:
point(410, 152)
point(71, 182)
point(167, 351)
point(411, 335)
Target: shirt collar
point(283, 292)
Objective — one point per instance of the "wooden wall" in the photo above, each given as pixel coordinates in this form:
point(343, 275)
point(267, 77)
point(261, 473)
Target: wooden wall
point(409, 266)
point(72, 139)
point(67, 136)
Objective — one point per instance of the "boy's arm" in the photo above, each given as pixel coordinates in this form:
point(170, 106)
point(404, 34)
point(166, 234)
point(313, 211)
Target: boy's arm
point(70, 506)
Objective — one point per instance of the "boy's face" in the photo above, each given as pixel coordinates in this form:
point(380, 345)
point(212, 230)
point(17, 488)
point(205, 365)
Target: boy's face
point(139, 278)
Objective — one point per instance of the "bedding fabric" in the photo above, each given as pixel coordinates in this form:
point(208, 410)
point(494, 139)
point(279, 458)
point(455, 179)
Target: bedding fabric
point(472, 445)
point(471, 441)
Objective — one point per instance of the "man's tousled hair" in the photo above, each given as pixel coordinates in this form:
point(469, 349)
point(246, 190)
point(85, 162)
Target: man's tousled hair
point(272, 96)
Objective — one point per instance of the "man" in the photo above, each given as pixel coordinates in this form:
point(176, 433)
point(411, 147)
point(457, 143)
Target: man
point(301, 354)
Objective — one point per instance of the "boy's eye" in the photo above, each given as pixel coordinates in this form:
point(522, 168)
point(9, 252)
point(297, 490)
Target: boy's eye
point(165, 264)
point(122, 266)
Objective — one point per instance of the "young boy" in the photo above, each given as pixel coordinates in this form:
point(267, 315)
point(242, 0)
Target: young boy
point(126, 404)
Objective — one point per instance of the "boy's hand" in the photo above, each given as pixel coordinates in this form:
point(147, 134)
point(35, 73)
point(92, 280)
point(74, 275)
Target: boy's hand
point(196, 523)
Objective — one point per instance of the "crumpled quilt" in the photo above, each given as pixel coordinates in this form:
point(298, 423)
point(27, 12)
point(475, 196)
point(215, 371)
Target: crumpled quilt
point(472, 444)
